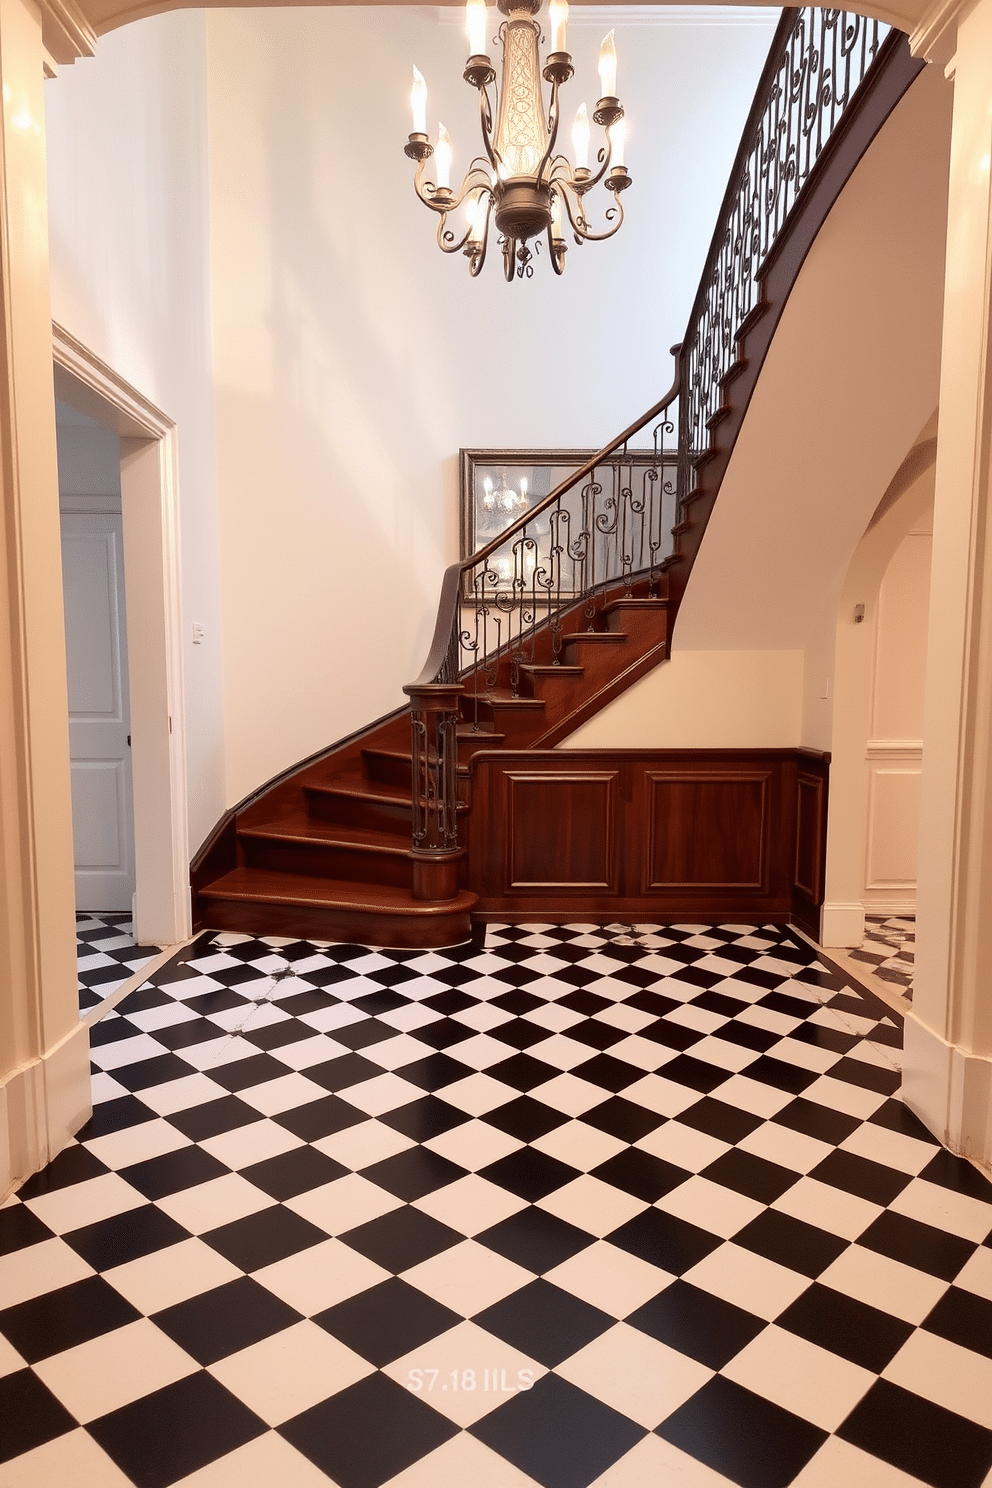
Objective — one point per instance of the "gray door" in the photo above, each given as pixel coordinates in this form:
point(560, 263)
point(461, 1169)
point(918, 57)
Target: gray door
point(99, 718)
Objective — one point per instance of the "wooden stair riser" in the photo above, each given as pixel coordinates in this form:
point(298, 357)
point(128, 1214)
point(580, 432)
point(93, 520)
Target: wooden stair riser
point(354, 810)
point(389, 767)
point(358, 864)
point(370, 927)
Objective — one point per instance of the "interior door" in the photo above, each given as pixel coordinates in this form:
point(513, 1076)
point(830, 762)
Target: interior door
point(99, 717)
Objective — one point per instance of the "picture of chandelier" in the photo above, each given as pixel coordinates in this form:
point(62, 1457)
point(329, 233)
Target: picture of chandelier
point(520, 183)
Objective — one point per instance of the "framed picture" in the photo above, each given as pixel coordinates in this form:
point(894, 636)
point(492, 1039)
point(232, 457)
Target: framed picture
point(498, 486)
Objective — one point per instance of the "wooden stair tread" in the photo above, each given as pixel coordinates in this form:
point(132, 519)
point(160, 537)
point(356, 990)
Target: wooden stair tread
point(406, 755)
point(597, 637)
point(317, 833)
point(549, 669)
point(356, 788)
point(466, 731)
point(637, 604)
point(257, 884)
point(507, 700)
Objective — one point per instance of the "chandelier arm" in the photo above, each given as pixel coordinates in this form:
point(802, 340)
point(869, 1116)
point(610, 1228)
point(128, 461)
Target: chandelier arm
point(604, 157)
point(509, 259)
point(473, 180)
point(486, 119)
point(556, 252)
point(478, 257)
point(581, 228)
point(554, 115)
point(446, 239)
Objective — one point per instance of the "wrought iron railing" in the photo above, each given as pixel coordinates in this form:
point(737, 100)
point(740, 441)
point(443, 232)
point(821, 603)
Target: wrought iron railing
point(607, 528)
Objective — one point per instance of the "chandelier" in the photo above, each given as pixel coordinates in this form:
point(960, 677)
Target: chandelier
point(521, 184)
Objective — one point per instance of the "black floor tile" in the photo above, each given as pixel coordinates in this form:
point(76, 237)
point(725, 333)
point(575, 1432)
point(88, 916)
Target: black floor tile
point(444, 1034)
point(242, 1074)
point(535, 1239)
point(262, 1239)
point(30, 1415)
point(664, 1240)
point(698, 1324)
point(166, 1436)
point(544, 1322)
point(958, 1174)
point(402, 1238)
point(755, 1177)
point(426, 1118)
point(791, 1242)
point(157, 1071)
point(213, 1118)
point(74, 1164)
point(747, 1036)
point(277, 1035)
point(845, 1326)
point(526, 1118)
point(434, 1072)
point(608, 1072)
point(858, 1175)
point(111, 1030)
point(819, 1037)
point(522, 1071)
point(623, 1119)
point(867, 1076)
point(558, 1434)
point(745, 1437)
point(717, 1119)
point(411, 1174)
point(790, 1007)
point(114, 1116)
point(60, 1320)
point(672, 1035)
point(519, 1002)
point(780, 1074)
point(963, 1318)
point(386, 1321)
point(686, 1069)
point(225, 1320)
point(184, 1168)
point(640, 1174)
point(599, 1035)
point(19, 1228)
point(124, 1237)
point(187, 1035)
point(917, 1244)
point(530, 1174)
point(319, 1118)
point(369, 1433)
point(897, 1117)
point(522, 1034)
point(294, 1172)
point(817, 1121)
point(925, 1440)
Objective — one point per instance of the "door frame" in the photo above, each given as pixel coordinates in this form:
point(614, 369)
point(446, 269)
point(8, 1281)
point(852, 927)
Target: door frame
point(153, 605)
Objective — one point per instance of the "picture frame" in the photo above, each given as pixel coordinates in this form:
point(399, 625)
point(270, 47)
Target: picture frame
point(496, 486)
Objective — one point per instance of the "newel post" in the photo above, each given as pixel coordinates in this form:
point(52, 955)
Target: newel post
point(435, 850)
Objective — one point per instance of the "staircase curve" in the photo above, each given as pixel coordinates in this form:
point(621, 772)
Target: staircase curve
point(576, 599)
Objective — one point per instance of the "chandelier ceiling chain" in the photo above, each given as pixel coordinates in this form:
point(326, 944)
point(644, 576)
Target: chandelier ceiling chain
point(521, 185)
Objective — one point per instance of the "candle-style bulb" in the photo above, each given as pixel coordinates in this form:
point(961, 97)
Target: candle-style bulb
point(475, 212)
point(618, 142)
point(442, 157)
point(418, 102)
point(475, 26)
point(558, 12)
point(608, 67)
point(580, 138)
point(556, 231)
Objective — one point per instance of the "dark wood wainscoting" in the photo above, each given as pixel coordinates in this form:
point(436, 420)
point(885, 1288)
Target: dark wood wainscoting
point(659, 834)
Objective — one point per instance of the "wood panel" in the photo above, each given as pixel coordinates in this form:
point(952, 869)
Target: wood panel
point(579, 854)
point(662, 835)
point(706, 831)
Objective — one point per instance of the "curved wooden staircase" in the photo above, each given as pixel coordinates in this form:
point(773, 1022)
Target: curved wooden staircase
point(337, 847)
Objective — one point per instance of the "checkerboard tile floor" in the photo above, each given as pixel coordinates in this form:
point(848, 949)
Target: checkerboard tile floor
point(106, 956)
point(563, 1206)
point(888, 951)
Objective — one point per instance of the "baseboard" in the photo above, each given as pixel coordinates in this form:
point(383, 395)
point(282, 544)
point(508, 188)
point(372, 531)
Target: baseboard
point(950, 1090)
point(890, 907)
point(842, 925)
point(43, 1104)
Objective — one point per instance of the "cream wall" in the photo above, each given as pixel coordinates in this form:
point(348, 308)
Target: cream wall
point(705, 700)
point(352, 359)
point(129, 228)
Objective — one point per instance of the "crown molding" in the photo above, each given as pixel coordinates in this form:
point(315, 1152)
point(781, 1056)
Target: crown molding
point(65, 31)
point(935, 35)
point(750, 16)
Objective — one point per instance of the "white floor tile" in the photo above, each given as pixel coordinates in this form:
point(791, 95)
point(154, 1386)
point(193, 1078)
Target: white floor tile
point(710, 1206)
point(838, 1462)
point(465, 1373)
point(471, 1204)
point(320, 1276)
point(478, 1094)
point(383, 1093)
point(362, 1145)
point(683, 1146)
point(160, 1280)
point(752, 1095)
point(750, 1281)
point(879, 1144)
point(570, 1094)
point(851, 1100)
point(290, 1371)
point(220, 1201)
point(474, 1144)
point(462, 1462)
point(790, 1149)
point(283, 1094)
point(829, 1208)
point(263, 1463)
point(800, 1377)
point(655, 1463)
point(947, 1210)
point(883, 1283)
point(636, 1375)
point(941, 1371)
point(85, 1203)
point(180, 1095)
point(591, 1205)
point(110, 1371)
point(250, 1144)
point(610, 1279)
point(580, 1145)
point(37, 1269)
point(343, 1204)
point(468, 1278)
point(137, 1143)
point(73, 1458)
point(976, 1275)
point(666, 1097)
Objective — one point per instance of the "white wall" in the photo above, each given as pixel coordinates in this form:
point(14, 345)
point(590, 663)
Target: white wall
point(129, 223)
point(705, 700)
point(352, 359)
